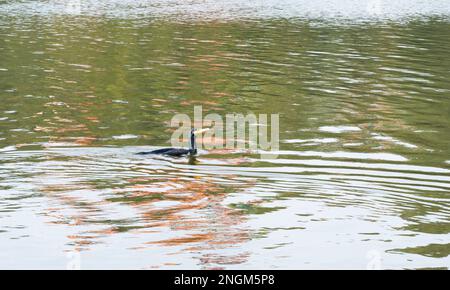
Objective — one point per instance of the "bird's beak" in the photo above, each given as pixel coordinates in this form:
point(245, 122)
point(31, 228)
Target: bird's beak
point(201, 131)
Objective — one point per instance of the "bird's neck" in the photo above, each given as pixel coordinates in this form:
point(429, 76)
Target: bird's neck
point(193, 145)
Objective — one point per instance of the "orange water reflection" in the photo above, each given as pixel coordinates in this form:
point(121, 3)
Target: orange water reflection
point(192, 208)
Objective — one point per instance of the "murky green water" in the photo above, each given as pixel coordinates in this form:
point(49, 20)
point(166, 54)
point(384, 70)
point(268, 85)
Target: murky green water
point(363, 174)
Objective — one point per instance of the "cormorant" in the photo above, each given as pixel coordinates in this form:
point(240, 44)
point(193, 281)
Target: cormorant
point(178, 152)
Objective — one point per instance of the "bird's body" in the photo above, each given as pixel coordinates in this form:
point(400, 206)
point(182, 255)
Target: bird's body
point(177, 152)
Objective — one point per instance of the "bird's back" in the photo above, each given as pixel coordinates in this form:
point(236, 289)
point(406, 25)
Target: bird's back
point(167, 151)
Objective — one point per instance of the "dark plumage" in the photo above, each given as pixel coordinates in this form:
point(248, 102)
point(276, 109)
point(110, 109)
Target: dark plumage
point(177, 152)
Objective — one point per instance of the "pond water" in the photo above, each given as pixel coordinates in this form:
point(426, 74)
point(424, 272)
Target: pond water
point(362, 178)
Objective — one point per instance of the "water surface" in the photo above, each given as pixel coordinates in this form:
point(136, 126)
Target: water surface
point(363, 174)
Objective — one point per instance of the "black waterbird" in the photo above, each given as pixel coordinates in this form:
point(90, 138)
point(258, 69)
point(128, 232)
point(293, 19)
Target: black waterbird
point(178, 152)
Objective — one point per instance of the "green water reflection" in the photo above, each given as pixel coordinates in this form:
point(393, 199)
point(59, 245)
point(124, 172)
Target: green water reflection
point(365, 131)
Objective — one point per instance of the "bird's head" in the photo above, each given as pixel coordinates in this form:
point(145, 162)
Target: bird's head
point(195, 132)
